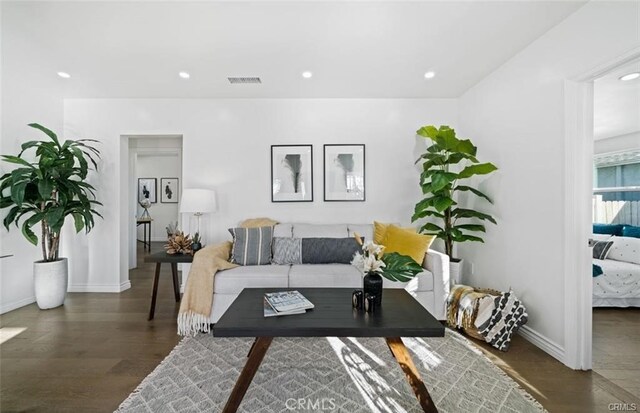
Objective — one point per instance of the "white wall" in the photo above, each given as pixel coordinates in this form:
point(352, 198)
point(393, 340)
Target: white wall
point(159, 166)
point(26, 98)
point(619, 143)
point(226, 146)
point(516, 118)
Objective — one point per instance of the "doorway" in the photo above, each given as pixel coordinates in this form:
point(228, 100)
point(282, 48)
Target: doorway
point(154, 188)
point(616, 227)
point(578, 210)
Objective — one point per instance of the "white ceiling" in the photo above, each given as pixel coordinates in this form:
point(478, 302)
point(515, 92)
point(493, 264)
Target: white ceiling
point(617, 103)
point(354, 49)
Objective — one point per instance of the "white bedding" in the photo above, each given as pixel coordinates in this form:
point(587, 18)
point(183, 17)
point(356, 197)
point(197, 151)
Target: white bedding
point(619, 286)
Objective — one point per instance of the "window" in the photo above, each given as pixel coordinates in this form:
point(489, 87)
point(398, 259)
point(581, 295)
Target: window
point(618, 176)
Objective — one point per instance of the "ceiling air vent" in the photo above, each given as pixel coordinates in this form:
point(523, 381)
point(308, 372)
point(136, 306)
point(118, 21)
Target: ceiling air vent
point(244, 80)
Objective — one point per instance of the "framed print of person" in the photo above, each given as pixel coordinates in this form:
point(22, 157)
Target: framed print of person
point(344, 173)
point(291, 173)
point(147, 189)
point(169, 190)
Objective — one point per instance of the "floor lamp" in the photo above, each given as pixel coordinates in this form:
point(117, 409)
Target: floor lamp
point(198, 202)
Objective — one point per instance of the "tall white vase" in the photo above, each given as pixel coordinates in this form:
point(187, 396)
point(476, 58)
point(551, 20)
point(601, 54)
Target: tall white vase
point(455, 271)
point(50, 279)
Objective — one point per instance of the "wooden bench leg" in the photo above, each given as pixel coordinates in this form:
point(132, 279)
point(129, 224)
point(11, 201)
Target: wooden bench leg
point(403, 358)
point(152, 310)
point(256, 354)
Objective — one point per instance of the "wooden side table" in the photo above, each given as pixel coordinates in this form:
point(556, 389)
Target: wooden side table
point(174, 260)
point(145, 222)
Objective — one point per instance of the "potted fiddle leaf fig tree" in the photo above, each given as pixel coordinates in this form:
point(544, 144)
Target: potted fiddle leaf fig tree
point(447, 166)
point(41, 192)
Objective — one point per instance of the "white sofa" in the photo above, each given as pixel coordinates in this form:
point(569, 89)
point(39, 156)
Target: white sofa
point(430, 287)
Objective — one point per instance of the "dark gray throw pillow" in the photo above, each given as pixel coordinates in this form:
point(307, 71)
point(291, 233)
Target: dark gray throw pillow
point(329, 250)
point(251, 246)
point(601, 249)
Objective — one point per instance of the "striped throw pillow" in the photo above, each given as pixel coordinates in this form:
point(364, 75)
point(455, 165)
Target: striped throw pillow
point(251, 246)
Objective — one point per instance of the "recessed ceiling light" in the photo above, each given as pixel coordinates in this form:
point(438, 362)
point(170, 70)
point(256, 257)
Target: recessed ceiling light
point(429, 75)
point(184, 75)
point(64, 75)
point(307, 75)
point(630, 76)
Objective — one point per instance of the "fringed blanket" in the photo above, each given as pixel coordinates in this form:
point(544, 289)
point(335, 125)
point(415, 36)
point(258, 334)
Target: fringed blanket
point(195, 308)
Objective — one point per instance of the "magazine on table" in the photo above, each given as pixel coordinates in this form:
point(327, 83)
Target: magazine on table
point(286, 301)
point(270, 312)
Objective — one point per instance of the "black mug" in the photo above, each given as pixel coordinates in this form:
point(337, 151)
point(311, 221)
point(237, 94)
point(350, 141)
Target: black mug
point(357, 299)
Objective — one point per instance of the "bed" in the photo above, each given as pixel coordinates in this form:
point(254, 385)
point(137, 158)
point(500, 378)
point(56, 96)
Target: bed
point(619, 283)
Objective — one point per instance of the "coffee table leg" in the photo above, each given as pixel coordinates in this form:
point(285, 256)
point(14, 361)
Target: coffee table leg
point(403, 358)
point(176, 287)
point(256, 355)
point(152, 310)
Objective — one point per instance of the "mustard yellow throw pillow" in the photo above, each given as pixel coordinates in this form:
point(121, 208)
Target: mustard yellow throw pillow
point(407, 243)
point(380, 230)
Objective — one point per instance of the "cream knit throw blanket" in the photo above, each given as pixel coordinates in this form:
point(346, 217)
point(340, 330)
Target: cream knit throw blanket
point(195, 308)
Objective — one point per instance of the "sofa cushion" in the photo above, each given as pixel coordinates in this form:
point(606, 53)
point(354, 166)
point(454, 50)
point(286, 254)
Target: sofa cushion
point(407, 243)
point(287, 251)
point(324, 275)
point(251, 276)
point(320, 231)
point(251, 246)
point(380, 231)
point(364, 230)
point(283, 231)
point(329, 250)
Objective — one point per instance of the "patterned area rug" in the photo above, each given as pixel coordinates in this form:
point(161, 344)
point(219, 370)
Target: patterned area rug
point(350, 375)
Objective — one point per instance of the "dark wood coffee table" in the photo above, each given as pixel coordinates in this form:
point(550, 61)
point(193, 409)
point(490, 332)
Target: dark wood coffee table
point(399, 316)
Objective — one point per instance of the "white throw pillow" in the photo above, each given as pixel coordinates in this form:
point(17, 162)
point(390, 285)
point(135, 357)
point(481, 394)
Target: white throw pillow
point(625, 249)
point(601, 237)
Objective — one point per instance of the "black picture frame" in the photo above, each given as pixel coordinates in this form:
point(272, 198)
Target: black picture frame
point(354, 188)
point(169, 190)
point(148, 188)
point(284, 187)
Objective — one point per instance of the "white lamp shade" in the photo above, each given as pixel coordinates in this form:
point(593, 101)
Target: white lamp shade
point(198, 201)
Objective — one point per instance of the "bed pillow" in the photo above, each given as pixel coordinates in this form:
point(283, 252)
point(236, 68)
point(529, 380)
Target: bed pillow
point(329, 250)
point(251, 246)
point(612, 229)
point(287, 251)
point(631, 231)
point(601, 249)
point(626, 249)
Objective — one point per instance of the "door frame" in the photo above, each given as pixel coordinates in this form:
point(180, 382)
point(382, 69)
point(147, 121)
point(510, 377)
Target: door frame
point(578, 190)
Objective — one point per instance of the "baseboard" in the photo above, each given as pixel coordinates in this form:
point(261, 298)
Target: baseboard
point(97, 288)
point(550, 347)
point(5, 308)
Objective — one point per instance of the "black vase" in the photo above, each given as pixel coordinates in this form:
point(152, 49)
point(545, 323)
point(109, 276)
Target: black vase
point(373, 286)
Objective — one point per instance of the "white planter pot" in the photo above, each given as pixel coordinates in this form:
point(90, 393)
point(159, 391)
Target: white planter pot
point(50, 279)
point(455, 271)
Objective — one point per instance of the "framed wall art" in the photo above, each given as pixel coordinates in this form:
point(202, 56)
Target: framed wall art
point(169, 190)
point(344, 172)
point(147, 189)
point(291, 173)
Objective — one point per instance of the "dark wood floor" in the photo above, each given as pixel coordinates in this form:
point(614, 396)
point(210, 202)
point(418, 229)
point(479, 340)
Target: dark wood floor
point(91, 353)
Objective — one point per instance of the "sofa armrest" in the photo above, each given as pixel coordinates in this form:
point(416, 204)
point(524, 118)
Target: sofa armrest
point(438, 264)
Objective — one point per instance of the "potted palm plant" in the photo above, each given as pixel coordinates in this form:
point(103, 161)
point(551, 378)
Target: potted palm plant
point(448, 163)
point(44, 190)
